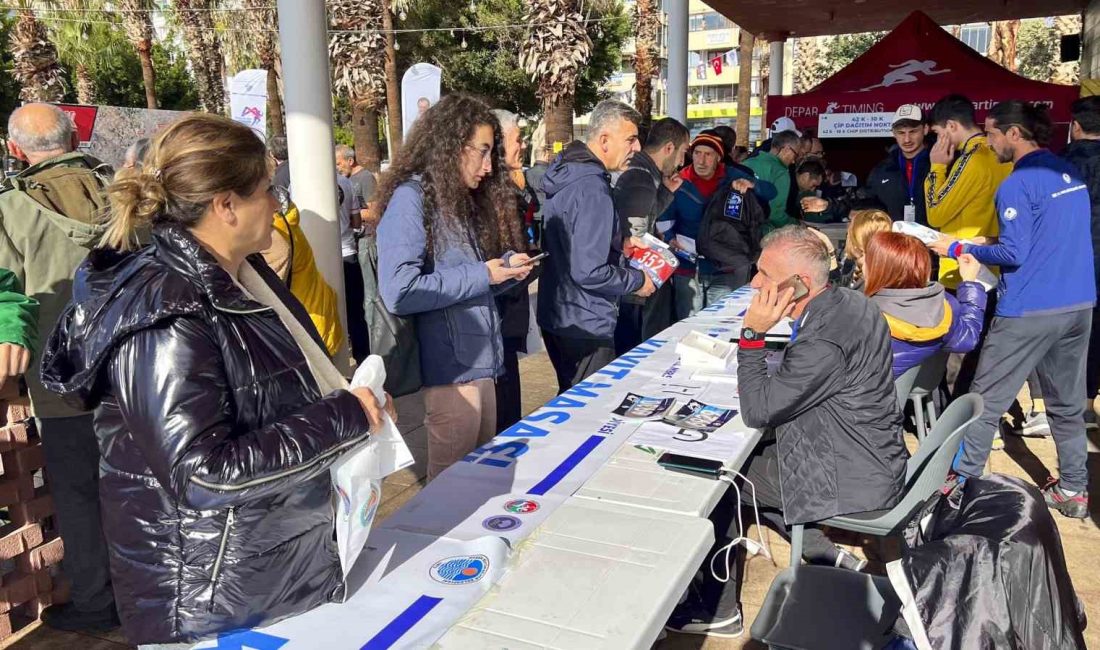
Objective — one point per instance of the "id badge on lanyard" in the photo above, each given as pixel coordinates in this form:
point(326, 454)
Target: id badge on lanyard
point(910, 212)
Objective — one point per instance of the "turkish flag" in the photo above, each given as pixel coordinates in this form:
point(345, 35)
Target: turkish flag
point(717, 64)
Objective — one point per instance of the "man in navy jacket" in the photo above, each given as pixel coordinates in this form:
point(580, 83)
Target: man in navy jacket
point(1044, 300)
point(585, 275)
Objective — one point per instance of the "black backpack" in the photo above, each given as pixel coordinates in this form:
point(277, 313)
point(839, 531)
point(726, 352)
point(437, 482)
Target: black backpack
point(731, 242)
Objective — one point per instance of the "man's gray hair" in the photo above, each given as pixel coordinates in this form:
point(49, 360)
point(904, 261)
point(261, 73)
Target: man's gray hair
point(58, 135)
point(609, 113)
point(786, 139)
point(802, 244)
point(508, 120)
point(345, 152)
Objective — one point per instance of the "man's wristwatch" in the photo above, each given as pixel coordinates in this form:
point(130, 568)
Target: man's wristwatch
point(749, 335)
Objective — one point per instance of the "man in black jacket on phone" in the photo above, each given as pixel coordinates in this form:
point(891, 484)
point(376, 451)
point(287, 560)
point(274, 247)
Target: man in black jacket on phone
point(832, 440)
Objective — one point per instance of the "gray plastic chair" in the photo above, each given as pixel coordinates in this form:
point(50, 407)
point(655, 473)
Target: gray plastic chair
point(924, 474)
point(826, 608)
point(903, 386)
point(927, 381)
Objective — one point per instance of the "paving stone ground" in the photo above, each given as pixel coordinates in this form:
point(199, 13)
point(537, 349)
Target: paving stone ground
point(1031, 458)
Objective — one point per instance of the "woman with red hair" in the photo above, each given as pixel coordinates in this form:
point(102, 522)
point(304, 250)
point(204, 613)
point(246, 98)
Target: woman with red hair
point(923, 318)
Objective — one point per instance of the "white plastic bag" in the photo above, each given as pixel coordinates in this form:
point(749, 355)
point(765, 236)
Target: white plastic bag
point(358, 475)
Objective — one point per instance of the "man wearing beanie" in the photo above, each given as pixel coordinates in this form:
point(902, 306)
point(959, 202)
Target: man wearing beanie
point(696, 287)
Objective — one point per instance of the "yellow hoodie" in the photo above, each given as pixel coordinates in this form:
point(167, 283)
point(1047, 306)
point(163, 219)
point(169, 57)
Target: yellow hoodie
point(960, 201)
point(306, 282)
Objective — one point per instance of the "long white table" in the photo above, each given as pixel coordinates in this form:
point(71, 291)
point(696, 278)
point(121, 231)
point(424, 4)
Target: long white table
point(557, 534)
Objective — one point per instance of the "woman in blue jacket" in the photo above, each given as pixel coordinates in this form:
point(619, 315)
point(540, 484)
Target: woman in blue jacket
point(922, 316)
point(444, 248)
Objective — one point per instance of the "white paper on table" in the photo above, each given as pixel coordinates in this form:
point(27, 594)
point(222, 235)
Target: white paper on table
point(722, 445)
point(357, 475)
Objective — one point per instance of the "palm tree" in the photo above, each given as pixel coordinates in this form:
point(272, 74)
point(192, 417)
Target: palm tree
point(138, 22)
point(358, 62)
point(1002, 45)
point(203, 51)
point(647, 24)
point(556, 46)
point(262, 19)
point(393, 88)
point(34, 59)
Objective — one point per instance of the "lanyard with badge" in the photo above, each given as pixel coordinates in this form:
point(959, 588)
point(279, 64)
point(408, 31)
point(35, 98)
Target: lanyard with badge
point(909, 213)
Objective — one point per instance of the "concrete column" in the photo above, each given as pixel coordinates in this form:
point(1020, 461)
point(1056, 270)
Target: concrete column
point(775, 71)
point(308, 97)
point(677, 92)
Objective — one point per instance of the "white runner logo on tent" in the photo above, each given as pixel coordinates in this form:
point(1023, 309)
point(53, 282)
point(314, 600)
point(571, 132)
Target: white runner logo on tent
point(905, 73)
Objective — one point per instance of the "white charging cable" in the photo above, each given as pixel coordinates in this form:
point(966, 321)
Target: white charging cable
point(751, 545)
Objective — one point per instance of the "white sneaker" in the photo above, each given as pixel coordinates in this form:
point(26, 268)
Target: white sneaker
point(1035, 425)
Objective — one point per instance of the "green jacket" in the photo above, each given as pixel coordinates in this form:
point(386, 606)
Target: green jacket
point(770, 168)
point(51, 215)
point(18, 313)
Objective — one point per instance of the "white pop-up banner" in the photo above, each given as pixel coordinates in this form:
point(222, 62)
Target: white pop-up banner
point(248, 99)
point(421, 81)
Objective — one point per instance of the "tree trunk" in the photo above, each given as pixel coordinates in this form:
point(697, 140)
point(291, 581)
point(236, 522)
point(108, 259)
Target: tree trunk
point(148, 75)
point(744, 87)
point(85, 86)
point(393, 88)
point(364, 128)
point(559, 122)
point(646, 25)
point(276, 123)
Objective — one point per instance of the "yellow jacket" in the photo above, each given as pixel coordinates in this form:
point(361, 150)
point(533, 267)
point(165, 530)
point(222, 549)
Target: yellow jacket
point(306, 282)
point(960, 199)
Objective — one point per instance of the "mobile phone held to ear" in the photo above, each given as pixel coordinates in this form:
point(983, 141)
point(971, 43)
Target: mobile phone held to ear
point(701, 467)
point(796, 283)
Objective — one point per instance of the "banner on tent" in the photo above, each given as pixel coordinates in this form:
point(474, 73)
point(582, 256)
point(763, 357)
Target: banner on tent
point(854, 125)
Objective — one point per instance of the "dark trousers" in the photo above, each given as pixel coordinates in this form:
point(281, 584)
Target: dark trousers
point(762, 468)
point(72, 472)
point(575, 359)
point(640, 321)
point(358, 336)
point(1055, 346)
point(509, 393)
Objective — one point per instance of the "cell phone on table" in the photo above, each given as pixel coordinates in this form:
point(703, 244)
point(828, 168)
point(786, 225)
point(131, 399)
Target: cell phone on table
point(690, 465)
point(794, 282)
point(535, 259)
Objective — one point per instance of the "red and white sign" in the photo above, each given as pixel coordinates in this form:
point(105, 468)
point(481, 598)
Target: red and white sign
point(83, 118)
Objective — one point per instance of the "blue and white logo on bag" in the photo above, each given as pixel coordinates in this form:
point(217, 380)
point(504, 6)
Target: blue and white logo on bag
point(370, 507)
point(460, 570)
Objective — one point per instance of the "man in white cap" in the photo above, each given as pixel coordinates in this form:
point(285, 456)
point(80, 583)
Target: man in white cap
point(898, 181)
point(783, 124)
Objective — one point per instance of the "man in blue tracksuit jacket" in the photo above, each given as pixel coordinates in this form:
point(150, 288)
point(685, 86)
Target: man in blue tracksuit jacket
point(585, 274)
point(1044, 301)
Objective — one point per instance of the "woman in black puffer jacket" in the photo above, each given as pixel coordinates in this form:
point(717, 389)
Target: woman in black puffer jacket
point(217, 412)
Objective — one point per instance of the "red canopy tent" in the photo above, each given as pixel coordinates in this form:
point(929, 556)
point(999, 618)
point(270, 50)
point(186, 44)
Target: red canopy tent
point(918, 63)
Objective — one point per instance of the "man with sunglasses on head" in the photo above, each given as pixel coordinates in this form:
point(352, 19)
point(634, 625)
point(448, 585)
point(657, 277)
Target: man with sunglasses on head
point(772, 166)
